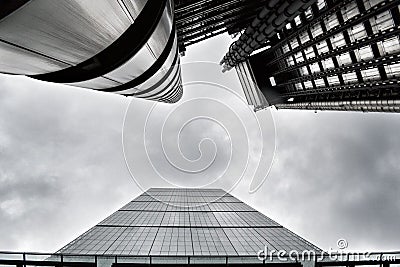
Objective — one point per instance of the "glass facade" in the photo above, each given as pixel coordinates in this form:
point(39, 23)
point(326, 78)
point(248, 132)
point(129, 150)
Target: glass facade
point(185, 222)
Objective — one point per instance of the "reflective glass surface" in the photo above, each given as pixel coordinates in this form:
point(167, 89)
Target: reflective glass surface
point(182, 222)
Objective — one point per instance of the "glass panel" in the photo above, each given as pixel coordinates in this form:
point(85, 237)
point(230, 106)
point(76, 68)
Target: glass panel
point(371, 3)
point(298, 86)
point(331, 22)
point(393, 70)
point(297, 20)
point(357, 32)
point(370, 74)
point(303, 70)
point(321, 4)
point(309, 52)
point(316, 30)
point(319, 82)
point(364, 53)
point(382, 21)
point(328, 64)
point(308, 84)
point(304, 37)
point(333, 80)
point(350, 77)
point(315, 67)
point(294, 43)
point(338, 40)
point(344, 59)
point(391, 45)
point(322, 47)
point(350, 11)
point(299, 57)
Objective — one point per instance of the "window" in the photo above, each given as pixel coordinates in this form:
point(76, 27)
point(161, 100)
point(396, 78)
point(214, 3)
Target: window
point(364, 53)
point(338, 41)
point(321, 4)
point(328, 63)
point(303, 71)
point(391, 45)
point(290, 61)
point(316, 30)
point(319, 82)
point(297, 20)
point(393, 70)
point(308, 85)
point(371, 3)
point(331, 22)
point(299, 57)
point(294, 43)
point(350, 77)
point(285, 48)
point(382, 21)
point(309, 52)
point(304, 37)
point(350, 11)
point(333, 80)
point(309, 14)
point(370, 74)
point(315, 67)
point(272, 81)
point(344, 59)
point(357, 32)
point(298, 86)
point(322, 47)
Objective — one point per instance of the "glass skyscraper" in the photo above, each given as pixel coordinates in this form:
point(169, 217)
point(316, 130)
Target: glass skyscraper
point(186, 223)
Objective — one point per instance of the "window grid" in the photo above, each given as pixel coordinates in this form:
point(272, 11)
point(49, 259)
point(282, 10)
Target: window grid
point(382, 21)
point(231, 229)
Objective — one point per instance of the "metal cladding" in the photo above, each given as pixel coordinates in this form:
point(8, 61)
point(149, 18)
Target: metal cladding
point(272, 18)
point(127, 47)
point(336, 55)
point(358, 105)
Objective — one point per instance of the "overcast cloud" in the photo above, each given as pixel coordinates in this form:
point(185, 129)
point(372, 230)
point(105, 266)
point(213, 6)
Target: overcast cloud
point(62, 170)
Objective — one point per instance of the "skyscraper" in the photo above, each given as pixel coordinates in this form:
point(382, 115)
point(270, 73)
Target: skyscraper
point(321, 55)
point(191, 224)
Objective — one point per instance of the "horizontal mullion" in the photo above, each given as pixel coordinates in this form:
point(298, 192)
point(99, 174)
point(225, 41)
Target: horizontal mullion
point(189, 226)
point(189, 210)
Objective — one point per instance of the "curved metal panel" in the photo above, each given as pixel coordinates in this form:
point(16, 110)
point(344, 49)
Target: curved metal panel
point(99, 83)
point(14, 60)
point(118, 53)
point(70, 31)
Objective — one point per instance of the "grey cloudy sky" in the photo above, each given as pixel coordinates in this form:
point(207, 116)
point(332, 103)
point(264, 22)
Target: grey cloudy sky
point(62, 170)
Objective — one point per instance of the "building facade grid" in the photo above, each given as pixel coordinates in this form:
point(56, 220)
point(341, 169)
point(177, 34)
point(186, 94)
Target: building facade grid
point(216, 224)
